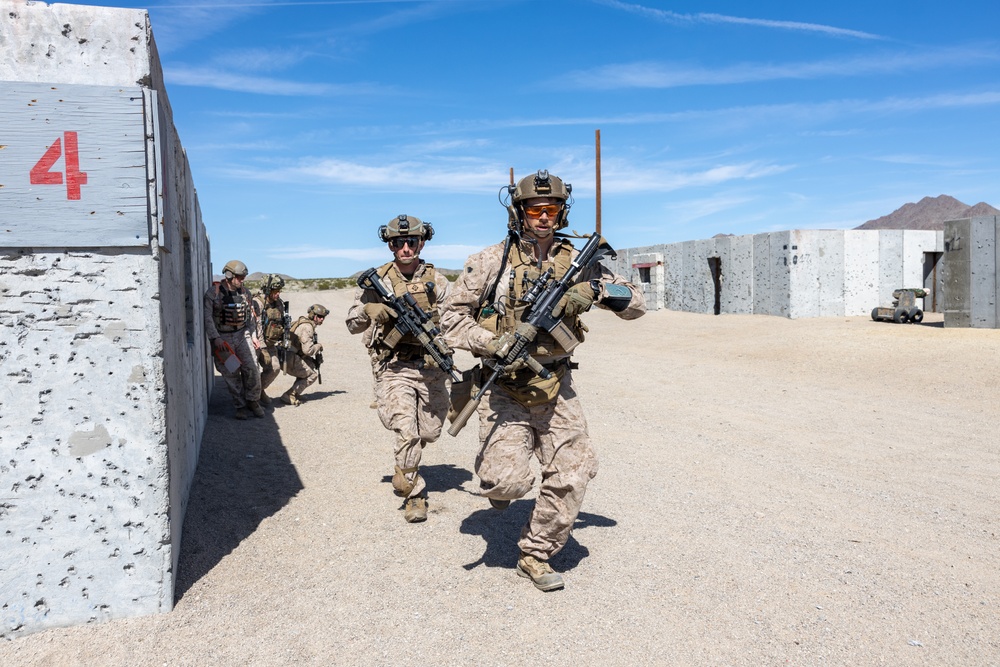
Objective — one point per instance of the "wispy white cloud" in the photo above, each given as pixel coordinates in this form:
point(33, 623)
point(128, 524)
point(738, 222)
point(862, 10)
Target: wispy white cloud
point(673, 75)
point(472, 176)
point(421, 177)
point(921, 160)
point(690, 210)
point(675, 18)
point(259, 60)
point(222, 80)
point(176, 25)
point(652, 178)
point(744, 115)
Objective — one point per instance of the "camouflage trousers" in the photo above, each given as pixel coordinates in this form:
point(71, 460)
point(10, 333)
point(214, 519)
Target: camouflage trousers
point(244, 384)
point(270, 372)
point(303, 368)
point(413, 402)
point(556, 434)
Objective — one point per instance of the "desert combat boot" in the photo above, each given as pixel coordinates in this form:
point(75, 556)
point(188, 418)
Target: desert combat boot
point(539, 572)
point(255, 408)
point(416, 509)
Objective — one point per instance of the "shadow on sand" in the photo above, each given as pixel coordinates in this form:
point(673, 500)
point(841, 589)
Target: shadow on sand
point(244, 475)
point(440, 478)
point(501, 531)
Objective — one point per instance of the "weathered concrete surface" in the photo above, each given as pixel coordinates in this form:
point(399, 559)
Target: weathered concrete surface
point(103, 358)
point(796, 273)
point(96, 46)
point(971, 279)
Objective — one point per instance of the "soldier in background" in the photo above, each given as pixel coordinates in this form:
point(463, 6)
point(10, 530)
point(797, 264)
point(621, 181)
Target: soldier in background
point(411, 392)
point(306, 354)
point(272, 321)
point(231, 329)
point(523, 415)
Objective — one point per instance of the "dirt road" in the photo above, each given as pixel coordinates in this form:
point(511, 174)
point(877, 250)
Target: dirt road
point(807, 492)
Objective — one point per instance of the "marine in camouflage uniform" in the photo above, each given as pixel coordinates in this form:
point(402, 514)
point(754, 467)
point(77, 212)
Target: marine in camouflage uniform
point(269, 310)
point(229, 320)
point(306, 356)
point(411, 392)
point(522, 415)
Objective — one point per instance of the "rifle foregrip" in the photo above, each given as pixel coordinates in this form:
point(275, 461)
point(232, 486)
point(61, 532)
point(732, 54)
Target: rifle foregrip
point(463, 417)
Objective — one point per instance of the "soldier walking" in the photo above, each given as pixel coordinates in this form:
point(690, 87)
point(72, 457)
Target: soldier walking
point(523, 415)
point(306, 354)
point(272, 331)
point(411, 392)
point(231, 328)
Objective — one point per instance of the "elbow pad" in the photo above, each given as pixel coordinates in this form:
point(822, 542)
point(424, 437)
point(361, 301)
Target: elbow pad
point(616, 297)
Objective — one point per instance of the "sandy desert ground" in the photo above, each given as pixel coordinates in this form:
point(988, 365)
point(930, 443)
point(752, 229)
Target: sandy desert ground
point(771, 492)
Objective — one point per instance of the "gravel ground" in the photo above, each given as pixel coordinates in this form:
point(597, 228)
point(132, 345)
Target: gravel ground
point(771, 491)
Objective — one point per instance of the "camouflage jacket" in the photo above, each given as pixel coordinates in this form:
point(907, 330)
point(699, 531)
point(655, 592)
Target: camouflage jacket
point(460, 314)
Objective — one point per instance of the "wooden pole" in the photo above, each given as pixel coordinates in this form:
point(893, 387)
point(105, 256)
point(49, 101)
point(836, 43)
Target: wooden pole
point(597, 143)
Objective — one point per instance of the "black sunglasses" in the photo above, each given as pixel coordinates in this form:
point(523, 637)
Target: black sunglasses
point(398, 242)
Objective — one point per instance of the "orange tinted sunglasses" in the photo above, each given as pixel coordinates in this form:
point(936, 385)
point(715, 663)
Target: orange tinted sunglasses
point(536, 211)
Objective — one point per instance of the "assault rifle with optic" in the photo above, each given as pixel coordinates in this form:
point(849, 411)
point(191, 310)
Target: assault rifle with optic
point(318, 358)
point(286, 343)
point(543, 295)
point(414, 320)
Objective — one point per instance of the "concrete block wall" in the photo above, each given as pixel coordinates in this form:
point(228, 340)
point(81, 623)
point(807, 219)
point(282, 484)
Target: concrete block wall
point(971, 281)
point(797, 273)
point(102, 351)
point(861, 271)
point(737, 274)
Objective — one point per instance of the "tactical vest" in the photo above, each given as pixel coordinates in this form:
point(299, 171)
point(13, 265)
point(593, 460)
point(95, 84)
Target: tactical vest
point(294, 339)
point(234, 311)
point(408, 348)
point(272, 316)
point(523, 270)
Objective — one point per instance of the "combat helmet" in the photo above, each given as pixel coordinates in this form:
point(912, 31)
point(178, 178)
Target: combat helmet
point(272, 283)
point(406, 225)
point(235, 269)
point(539, 184)
point(318, 310)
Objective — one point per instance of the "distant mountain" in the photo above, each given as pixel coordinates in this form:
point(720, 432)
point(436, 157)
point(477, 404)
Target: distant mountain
point(929, 213)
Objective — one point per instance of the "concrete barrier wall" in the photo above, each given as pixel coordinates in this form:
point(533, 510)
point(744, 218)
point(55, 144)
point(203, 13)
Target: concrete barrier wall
point(797, 273)
point(737, 276)
point(971, 282)
point(101, 346)
point(861, 271)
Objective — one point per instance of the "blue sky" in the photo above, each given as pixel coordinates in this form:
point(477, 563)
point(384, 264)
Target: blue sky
point(309, 124)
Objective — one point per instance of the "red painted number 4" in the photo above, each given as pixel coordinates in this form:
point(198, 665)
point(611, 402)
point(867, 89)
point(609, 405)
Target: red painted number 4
point(40, 174)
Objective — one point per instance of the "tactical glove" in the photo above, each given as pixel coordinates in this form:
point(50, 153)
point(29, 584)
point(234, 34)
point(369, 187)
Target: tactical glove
point(576, 300)
point(379, 313)
point(264, 357)
point(499, 346)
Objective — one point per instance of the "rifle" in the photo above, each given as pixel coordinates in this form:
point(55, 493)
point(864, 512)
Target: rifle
point(318, 358)
point(412, 319)
point(286, 330)
point(543, 295)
